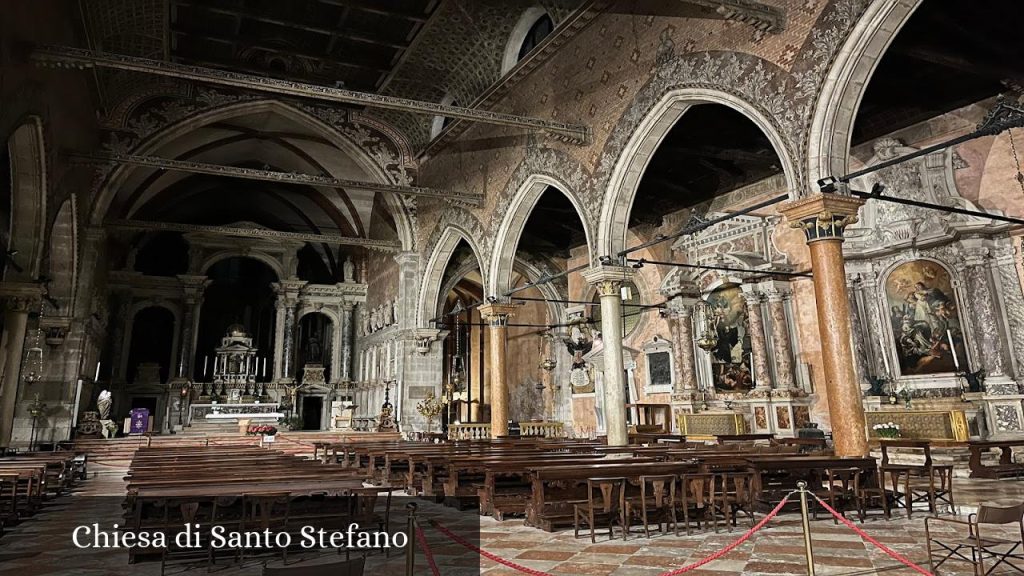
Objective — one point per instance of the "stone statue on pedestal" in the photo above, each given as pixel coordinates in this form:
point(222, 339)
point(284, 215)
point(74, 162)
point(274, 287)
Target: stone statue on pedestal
point(348, 271)
point(103, 404)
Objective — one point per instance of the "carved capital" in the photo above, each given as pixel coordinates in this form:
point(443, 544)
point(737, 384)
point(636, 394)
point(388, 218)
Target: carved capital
point(608, 279)
point(497, 314)
point(822, 216)
point(21, 296)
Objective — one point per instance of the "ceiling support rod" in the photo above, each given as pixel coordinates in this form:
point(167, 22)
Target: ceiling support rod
point(638, 263)
point(64, 56)
point(274, 176)
point(148, 226)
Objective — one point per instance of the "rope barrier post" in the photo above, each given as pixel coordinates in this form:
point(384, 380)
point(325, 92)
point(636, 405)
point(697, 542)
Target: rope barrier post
point(410, 546)
point(806, 521)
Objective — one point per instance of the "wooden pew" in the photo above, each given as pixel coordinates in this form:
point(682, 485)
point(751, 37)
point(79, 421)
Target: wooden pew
point(1007, 466)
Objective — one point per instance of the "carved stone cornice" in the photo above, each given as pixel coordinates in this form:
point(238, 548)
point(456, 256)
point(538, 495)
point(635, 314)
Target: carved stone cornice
point(822, 216)
point(81, 58)
point(21, 296)
point(288, 290)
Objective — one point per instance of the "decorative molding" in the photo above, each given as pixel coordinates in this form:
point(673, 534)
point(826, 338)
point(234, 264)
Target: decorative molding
point(143, 225)
point(63, 56)
point(276, 176)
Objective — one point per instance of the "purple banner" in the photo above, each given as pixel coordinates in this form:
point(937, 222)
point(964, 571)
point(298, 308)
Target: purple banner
point(140, 421)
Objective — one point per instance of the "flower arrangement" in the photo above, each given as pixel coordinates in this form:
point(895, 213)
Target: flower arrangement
point(887, 430)
point(261, 430)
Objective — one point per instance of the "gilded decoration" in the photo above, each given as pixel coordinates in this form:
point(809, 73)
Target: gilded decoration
point(711, 424)
point(925, 317)
point(922, 425)
point(731, 358)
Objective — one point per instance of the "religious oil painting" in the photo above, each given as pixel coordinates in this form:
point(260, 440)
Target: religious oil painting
point(730, 359)
point(925, 319)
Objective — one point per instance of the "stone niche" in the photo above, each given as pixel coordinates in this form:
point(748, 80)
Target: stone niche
point(751, 371)
point(934, 296)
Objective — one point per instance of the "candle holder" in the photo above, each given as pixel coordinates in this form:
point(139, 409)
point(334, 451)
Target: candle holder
point(430, 407)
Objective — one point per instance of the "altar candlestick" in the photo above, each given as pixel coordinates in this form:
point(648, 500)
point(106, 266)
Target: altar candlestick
point(264, 366)
point(215, 359)
point(206, 366)
point(952, 348)
point(96, 378)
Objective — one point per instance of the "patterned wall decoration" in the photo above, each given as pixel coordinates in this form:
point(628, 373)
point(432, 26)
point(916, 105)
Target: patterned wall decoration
point(923, 308)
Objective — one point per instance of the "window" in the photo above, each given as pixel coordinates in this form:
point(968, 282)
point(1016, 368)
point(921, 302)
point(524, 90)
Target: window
point(631, 309)
point(534, 25)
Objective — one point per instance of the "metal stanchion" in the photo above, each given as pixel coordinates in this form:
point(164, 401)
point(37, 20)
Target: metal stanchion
point(806, 521)
point(410, 546)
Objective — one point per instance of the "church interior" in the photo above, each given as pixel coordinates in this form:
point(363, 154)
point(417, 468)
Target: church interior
point(607, 287)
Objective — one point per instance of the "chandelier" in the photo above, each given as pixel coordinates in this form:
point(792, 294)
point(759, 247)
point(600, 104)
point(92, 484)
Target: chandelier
point(548, 363)
point(34, 355)
point(457, 377)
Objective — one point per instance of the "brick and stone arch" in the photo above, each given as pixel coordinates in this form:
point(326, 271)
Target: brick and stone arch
point(506, 239)
point(843, 88)
point(433, 272)
point(631, 163)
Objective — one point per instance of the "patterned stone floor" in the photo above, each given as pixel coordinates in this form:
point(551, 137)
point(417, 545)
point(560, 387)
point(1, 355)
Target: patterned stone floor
point(41, 546)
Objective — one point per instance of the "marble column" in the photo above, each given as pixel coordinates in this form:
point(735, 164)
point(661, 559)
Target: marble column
point(680, 327)
point(287, 300)
point(988, 321)
point(121, 305)
point(347, 341)
point(823, 217)
point(609, 280)
point(777, 296)
point(758, 344)
point(497, 315)
point(18, 300)
point(193, 288)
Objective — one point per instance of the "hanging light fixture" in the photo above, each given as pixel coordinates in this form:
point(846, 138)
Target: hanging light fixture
point(34, 355)
point(708, 340)
point(548, 363)
point(456, 377)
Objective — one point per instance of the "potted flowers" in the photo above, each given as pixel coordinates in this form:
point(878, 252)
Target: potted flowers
point(267, 431)
point(887, 430)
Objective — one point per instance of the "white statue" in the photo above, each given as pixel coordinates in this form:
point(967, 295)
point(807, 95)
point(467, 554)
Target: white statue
point(348, 271)
point(394, 311)
point(103, 404)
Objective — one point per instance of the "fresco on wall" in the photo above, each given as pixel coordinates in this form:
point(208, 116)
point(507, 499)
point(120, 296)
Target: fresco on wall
point(922, 306)
point(730, 360)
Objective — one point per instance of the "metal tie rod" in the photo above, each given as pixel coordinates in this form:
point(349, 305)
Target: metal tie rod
point(640, 262)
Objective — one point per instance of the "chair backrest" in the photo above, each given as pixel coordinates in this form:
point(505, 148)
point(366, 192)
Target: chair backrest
point(738, 484)
point(991, 514)
point(924, 446)
point(608, 493)
point(697, 488)
point(661, 489)
point(846, 479)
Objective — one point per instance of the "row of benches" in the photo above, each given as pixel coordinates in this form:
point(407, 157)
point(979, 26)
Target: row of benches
point(27, 479)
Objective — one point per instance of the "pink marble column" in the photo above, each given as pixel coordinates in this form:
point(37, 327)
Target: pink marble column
point(758, 345)
point(783, 347)
point(680, 324)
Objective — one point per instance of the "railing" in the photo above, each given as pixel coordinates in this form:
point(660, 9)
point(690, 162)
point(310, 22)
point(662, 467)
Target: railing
point(482, 430)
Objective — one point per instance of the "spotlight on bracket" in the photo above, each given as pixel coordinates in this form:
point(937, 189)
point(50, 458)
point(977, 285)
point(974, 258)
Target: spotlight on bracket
point(605, 260)
point(492, 299)
point(827, 185)
point(639, 263)
point(877, 189)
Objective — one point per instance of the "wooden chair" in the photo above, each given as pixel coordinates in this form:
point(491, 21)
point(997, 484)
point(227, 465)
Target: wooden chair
point(839, 487)
point(265, 511)
point(926, 482)
point(605, 504)
point(734, 493)
point(981, 546)
point(869, 491)
point(657, 502)
point(697, 499)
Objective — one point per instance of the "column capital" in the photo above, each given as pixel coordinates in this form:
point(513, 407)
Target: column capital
point(497, 313)
point(822, 216)
point(289, 288)
point(21, 296)
point(608, 279)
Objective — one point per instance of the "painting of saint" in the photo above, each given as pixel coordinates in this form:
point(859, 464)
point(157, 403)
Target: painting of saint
point(730, 360)
point(922, 307)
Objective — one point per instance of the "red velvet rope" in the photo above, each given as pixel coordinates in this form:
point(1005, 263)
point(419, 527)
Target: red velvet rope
point(746, 536)
point(422, 539)
point(892, 553)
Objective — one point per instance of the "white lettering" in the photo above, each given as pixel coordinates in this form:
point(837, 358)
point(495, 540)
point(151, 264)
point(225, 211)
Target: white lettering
point(87, 530)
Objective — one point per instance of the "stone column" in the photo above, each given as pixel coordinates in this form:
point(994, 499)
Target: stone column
point(777, 296)
point(193, 288)
point(758, 344)
point(19, 298)
point(121, 305)
point(287, 299)
point(609, 280)
point(823, 217)
point(680, 327)
point(497, 316)
point(347, 341)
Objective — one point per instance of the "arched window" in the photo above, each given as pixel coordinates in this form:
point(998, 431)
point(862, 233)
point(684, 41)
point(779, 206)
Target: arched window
point(439, 123)
point(534, 25)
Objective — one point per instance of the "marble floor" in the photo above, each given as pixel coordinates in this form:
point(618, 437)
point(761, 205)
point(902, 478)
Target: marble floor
point(41, 546)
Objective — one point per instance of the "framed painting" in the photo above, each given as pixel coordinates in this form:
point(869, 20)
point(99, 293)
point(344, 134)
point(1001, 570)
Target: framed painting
point(926, 326)
point(730, 360)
